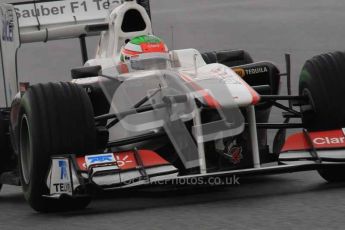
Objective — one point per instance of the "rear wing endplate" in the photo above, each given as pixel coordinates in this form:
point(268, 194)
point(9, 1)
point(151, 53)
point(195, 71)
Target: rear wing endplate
point(9, 44)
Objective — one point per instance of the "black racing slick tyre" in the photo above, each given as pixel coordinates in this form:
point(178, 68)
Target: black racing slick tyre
point(333, 174)
point(54, 119)
point(6, 152)
point(323, 81)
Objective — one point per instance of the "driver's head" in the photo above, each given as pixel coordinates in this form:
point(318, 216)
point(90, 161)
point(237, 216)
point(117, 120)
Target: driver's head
point(146, 52)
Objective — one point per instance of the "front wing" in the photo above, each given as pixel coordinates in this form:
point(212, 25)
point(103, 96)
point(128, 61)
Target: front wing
point(78, 176)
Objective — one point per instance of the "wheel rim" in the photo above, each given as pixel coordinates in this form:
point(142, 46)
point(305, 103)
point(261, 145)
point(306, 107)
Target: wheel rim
point(25, 149)
point(306, 92)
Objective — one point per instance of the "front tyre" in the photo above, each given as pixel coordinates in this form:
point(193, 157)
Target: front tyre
point(323, 81)
point(333, 174)
point(54, 119)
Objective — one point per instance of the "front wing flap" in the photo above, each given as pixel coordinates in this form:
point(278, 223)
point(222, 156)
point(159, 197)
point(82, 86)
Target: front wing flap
point(322, 146)
point(71, 174)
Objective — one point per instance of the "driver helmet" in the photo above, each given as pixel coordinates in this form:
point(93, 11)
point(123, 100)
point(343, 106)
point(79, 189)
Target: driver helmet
point(146, 52)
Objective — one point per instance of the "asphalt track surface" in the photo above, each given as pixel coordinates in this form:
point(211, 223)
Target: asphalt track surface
point(265, 28)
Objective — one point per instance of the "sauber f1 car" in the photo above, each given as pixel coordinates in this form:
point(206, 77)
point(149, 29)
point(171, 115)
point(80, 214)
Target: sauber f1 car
point(202, 115)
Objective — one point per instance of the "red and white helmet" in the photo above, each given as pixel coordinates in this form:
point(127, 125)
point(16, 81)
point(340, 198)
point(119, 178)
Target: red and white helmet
point(146, 52)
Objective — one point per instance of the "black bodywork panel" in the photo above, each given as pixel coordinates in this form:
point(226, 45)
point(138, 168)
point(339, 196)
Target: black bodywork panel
point(229, 58)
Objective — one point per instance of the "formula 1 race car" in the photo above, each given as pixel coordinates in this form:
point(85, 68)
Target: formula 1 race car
point(201, 115)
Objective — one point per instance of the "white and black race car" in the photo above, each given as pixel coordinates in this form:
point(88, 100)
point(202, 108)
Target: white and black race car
point(205, 116)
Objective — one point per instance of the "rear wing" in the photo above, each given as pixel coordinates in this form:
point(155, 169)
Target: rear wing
point(60, 19)
point(42, 21)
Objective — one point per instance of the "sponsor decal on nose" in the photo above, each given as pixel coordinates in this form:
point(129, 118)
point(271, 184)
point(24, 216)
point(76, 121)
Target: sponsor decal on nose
point(63, 169)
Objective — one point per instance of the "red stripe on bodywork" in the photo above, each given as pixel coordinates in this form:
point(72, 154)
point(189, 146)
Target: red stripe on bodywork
point(211, 102)
point(321, 140)
point(255, 95)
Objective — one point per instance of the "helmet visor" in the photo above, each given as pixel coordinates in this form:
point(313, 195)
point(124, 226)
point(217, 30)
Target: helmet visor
point(149, 64)
point(152, 61)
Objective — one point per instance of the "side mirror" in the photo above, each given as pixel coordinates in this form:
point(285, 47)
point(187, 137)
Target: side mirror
point(85, 72)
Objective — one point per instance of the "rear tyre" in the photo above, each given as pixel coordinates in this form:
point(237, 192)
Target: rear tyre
point(323, 81)
point(54, 119)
